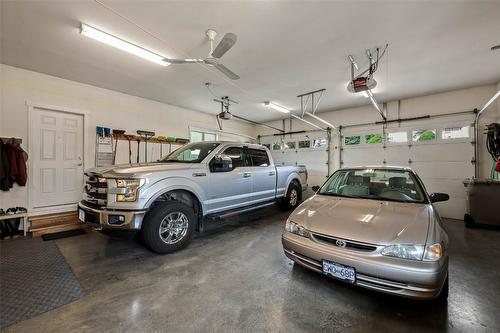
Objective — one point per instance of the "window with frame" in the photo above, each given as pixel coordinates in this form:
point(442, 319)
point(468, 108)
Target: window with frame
point(319, 143)
point(236, 155)
point(276, 146)
point(258, 157)
point(397, 137)
point(352, 140)
point(197, 136)
point(290, 145)
point(304, 144)
point(424, 135)
point(373, 138)
point(455, 132)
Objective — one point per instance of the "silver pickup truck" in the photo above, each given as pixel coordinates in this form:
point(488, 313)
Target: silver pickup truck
point(170, 199)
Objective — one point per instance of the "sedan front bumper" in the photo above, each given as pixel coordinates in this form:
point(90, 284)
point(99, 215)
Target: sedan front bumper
point(408, 278)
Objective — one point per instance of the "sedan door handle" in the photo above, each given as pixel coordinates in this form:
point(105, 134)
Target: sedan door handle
point(272, 173)
point(247, 174)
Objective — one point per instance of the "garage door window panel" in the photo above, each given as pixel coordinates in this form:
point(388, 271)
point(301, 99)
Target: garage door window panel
point(424, 135)
point(397, 137)
point(458, 132)
point(352, 140)
point(373, 138)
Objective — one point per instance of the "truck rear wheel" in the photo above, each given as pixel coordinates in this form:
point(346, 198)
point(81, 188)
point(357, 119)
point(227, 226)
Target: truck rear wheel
point(292, 198)
point(168, 227)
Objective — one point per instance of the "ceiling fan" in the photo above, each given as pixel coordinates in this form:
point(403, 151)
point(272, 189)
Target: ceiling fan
point(214, 56)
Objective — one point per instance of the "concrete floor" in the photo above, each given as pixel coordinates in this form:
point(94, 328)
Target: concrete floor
point(235, 278)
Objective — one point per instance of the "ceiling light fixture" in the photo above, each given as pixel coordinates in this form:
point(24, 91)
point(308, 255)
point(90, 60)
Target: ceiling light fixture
point(277, 107)
point(121, 44)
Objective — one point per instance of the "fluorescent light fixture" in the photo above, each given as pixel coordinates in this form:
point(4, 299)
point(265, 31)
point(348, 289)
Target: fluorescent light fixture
point(307, 122)
point(490, 101)
point(121, 44)
point(277, 107)
point(320, 119)
point(367, 93)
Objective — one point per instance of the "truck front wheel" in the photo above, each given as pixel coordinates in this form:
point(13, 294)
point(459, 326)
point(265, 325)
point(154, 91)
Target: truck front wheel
point(168, 227)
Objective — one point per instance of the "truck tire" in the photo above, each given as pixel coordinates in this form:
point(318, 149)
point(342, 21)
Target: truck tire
point(292, 197)
point(168, 227)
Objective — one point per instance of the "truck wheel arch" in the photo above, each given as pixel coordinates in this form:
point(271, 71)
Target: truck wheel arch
point(184, 196)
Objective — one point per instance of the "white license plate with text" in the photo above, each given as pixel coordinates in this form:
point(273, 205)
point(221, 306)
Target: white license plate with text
point(339, 271)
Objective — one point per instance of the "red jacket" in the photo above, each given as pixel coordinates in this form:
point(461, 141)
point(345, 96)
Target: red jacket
point(17, 160)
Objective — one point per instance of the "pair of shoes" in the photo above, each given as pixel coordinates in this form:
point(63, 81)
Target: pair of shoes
point(16, 210)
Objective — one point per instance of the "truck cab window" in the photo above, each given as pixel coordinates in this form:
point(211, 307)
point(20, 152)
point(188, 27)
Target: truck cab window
point(258, 157)
point(236, 154)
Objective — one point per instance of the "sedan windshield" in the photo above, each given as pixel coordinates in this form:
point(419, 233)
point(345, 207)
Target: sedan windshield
point(191, 153)
point(375, 184)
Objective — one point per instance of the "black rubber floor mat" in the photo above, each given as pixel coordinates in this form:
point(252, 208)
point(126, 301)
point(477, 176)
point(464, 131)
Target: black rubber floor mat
point(34, 278)
point(63, 234)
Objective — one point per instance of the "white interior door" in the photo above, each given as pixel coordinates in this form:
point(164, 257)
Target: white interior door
point(56, 148)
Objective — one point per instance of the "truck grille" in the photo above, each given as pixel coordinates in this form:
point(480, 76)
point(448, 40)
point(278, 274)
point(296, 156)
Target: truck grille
point(96, 189)
point(348, 244)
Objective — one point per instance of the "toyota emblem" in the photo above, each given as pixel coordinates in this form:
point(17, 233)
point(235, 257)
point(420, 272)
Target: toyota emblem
point(340, 243)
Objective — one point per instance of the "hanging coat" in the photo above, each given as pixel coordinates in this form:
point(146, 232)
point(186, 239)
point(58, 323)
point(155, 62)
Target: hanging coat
point(17, 162)
point(4, 168)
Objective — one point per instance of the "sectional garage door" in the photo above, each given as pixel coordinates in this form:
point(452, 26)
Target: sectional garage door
point(439, 151)
point(309, 150)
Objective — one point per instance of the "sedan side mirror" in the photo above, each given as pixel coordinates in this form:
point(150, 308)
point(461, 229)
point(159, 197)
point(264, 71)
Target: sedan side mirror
point(221, 163)
point(315, 188)
point(438, 197)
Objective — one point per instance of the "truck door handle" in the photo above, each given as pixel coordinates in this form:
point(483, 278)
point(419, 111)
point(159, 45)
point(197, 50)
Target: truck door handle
point(247, 174)
point(272, 173)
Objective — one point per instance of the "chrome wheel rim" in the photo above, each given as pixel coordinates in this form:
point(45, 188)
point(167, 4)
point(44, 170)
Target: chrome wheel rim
point(293, 197)
point(173, 227)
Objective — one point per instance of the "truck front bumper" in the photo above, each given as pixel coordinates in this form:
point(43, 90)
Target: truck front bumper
point(111, 219)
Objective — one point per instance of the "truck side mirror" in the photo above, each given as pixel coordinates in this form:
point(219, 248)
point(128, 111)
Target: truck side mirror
point(221, 163)
point(437, 197)
point(315, 188)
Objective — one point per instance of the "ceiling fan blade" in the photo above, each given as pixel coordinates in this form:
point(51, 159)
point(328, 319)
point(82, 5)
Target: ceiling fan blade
point(182, 61)
point(224, 45)
point(227, 72)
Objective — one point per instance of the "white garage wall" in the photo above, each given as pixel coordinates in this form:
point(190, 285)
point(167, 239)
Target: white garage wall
point(104, 108)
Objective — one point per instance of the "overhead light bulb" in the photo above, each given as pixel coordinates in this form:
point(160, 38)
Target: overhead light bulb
point(277, 107)
point(121, 44)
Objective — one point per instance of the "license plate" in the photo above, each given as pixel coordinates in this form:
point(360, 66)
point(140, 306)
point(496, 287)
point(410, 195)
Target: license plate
point(339, 271)
point(81, 215)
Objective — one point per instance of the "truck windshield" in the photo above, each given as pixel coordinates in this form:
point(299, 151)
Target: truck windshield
point(375, 184)
point(191, 153)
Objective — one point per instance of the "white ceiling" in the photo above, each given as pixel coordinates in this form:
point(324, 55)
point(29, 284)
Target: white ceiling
point(283, 48)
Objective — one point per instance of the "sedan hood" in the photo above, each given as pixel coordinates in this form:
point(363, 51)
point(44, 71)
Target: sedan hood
point(364, 220)
point(139, 169)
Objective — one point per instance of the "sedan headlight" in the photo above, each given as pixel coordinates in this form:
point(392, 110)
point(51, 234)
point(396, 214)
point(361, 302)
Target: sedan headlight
point(414, 251)
point(296, 228)
point(131, 187)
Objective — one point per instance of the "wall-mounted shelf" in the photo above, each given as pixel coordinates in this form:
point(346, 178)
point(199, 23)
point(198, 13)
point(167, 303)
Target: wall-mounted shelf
point(135, 138)
point(6, 140)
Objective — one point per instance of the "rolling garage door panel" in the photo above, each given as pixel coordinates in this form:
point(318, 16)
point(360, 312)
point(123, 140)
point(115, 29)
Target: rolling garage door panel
point(442, 164)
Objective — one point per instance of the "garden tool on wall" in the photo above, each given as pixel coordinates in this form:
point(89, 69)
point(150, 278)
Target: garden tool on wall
point(116, 134)
point(129, 139)
point(145, 135)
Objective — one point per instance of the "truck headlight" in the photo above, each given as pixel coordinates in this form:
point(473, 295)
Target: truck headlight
point(131, 187)
point(414, 252)
point(296, 229)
